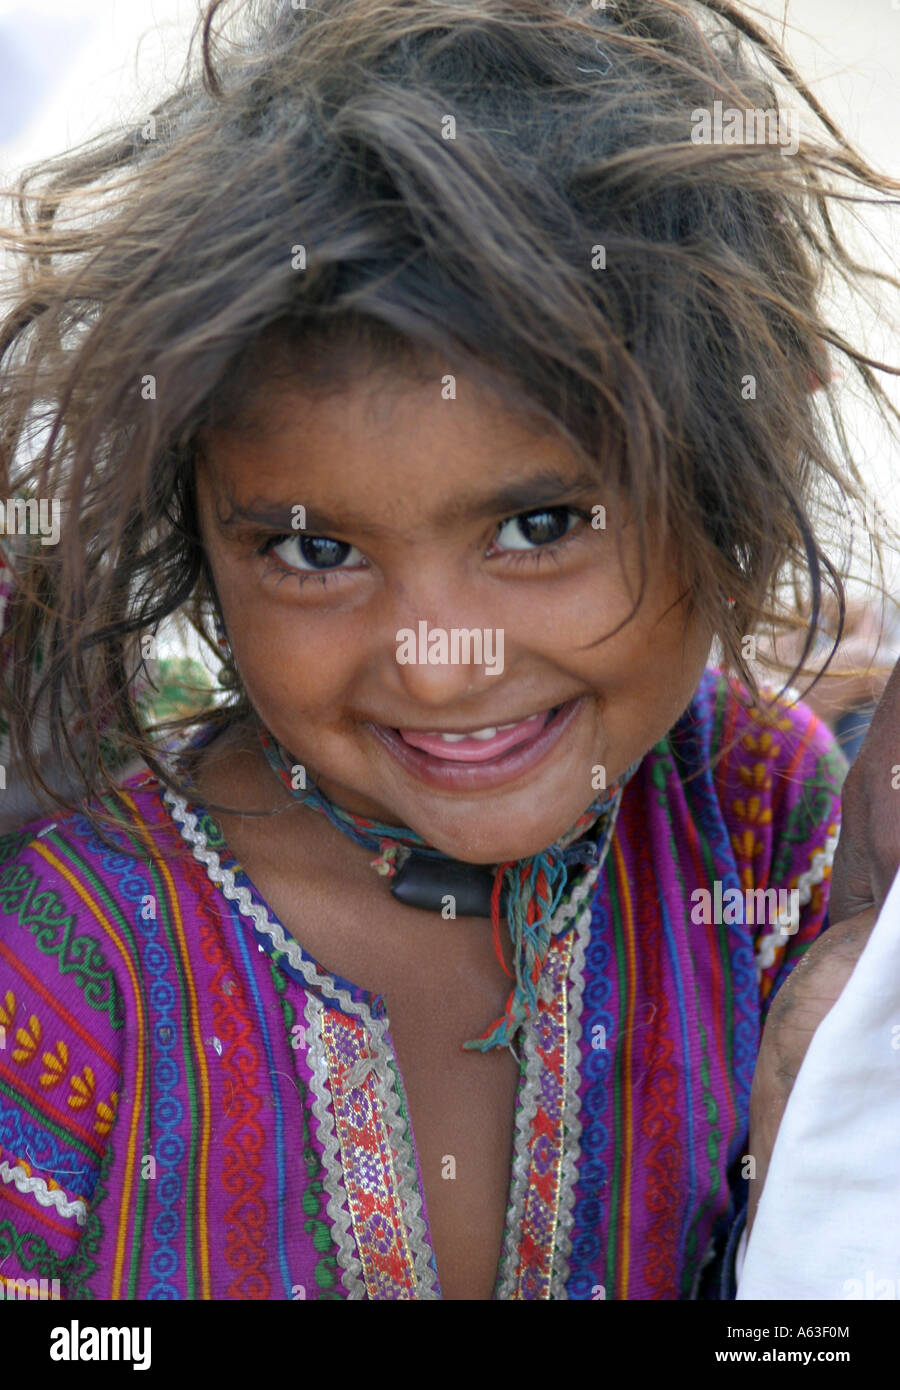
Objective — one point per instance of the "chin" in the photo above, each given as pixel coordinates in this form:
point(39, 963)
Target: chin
point(492, 843)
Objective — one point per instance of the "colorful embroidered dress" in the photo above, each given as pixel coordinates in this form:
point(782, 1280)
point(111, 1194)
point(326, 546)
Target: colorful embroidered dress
point(190, 1108)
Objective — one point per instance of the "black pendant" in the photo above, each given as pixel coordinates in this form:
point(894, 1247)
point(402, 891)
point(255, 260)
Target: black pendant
point(426, 883)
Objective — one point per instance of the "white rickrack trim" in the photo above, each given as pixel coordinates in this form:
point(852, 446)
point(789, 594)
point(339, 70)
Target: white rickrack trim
point(224, 879)
point(47, 1196)
point(581, 903)
point(332, 1177)
point(578, 905)
point(787, 924)
point(526, 1112)
point(388, 1088)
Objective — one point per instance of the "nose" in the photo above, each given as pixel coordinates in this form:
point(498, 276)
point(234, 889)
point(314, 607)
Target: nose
point(439, 665)
point(432, 633)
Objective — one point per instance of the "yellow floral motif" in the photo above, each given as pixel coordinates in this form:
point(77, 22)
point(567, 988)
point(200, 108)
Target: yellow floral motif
point(106, 1114)
point(8, 1010)
point(763, 744)
point(752, 811)
point(57, 1063)
point(83, 1089)
point(746, 846)
point(756, 776)
point(766, 718)
point(28, 1040)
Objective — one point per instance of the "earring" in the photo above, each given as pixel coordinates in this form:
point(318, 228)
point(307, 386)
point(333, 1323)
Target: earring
point(221, 637)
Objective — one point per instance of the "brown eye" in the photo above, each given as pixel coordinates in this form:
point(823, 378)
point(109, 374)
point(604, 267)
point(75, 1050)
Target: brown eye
point(312, 552)
point(536, 528)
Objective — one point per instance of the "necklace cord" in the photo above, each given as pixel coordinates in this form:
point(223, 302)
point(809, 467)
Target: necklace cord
point(535, 884)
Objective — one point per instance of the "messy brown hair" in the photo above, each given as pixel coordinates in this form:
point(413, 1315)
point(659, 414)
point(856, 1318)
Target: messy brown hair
point(509, 184)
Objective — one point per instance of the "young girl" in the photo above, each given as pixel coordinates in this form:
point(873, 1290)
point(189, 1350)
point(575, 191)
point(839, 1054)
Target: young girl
point(425, 352)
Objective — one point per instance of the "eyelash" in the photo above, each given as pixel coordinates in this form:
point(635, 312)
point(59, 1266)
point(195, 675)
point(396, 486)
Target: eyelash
point(283, 571)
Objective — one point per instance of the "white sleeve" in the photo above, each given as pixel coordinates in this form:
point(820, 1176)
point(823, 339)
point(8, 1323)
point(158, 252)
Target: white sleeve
point(828, 1221)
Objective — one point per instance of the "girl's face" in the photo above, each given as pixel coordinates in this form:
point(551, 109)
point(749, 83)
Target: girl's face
point(427, 518)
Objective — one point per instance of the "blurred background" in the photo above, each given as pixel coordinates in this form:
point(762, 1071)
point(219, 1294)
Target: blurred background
point(68, 68)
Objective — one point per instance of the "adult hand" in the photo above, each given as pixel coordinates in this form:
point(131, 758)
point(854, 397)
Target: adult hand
point(868, 852)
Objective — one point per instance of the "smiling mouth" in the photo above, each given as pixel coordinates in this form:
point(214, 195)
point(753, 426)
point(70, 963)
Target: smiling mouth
point(479, 760)
point(478, 745)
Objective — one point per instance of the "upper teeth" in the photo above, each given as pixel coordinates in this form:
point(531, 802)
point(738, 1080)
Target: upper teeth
point(476, 733)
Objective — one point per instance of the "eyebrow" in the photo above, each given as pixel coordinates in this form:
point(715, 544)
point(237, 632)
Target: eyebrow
point(519, 495)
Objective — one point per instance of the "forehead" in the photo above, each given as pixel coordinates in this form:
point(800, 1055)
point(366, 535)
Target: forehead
point(387, 442)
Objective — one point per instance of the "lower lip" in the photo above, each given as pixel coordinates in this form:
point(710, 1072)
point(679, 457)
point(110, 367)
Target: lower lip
point(496, 772)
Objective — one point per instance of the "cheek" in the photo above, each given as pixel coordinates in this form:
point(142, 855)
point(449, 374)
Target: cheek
point(645, 674)
point(658, 643)
point(287, 663)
